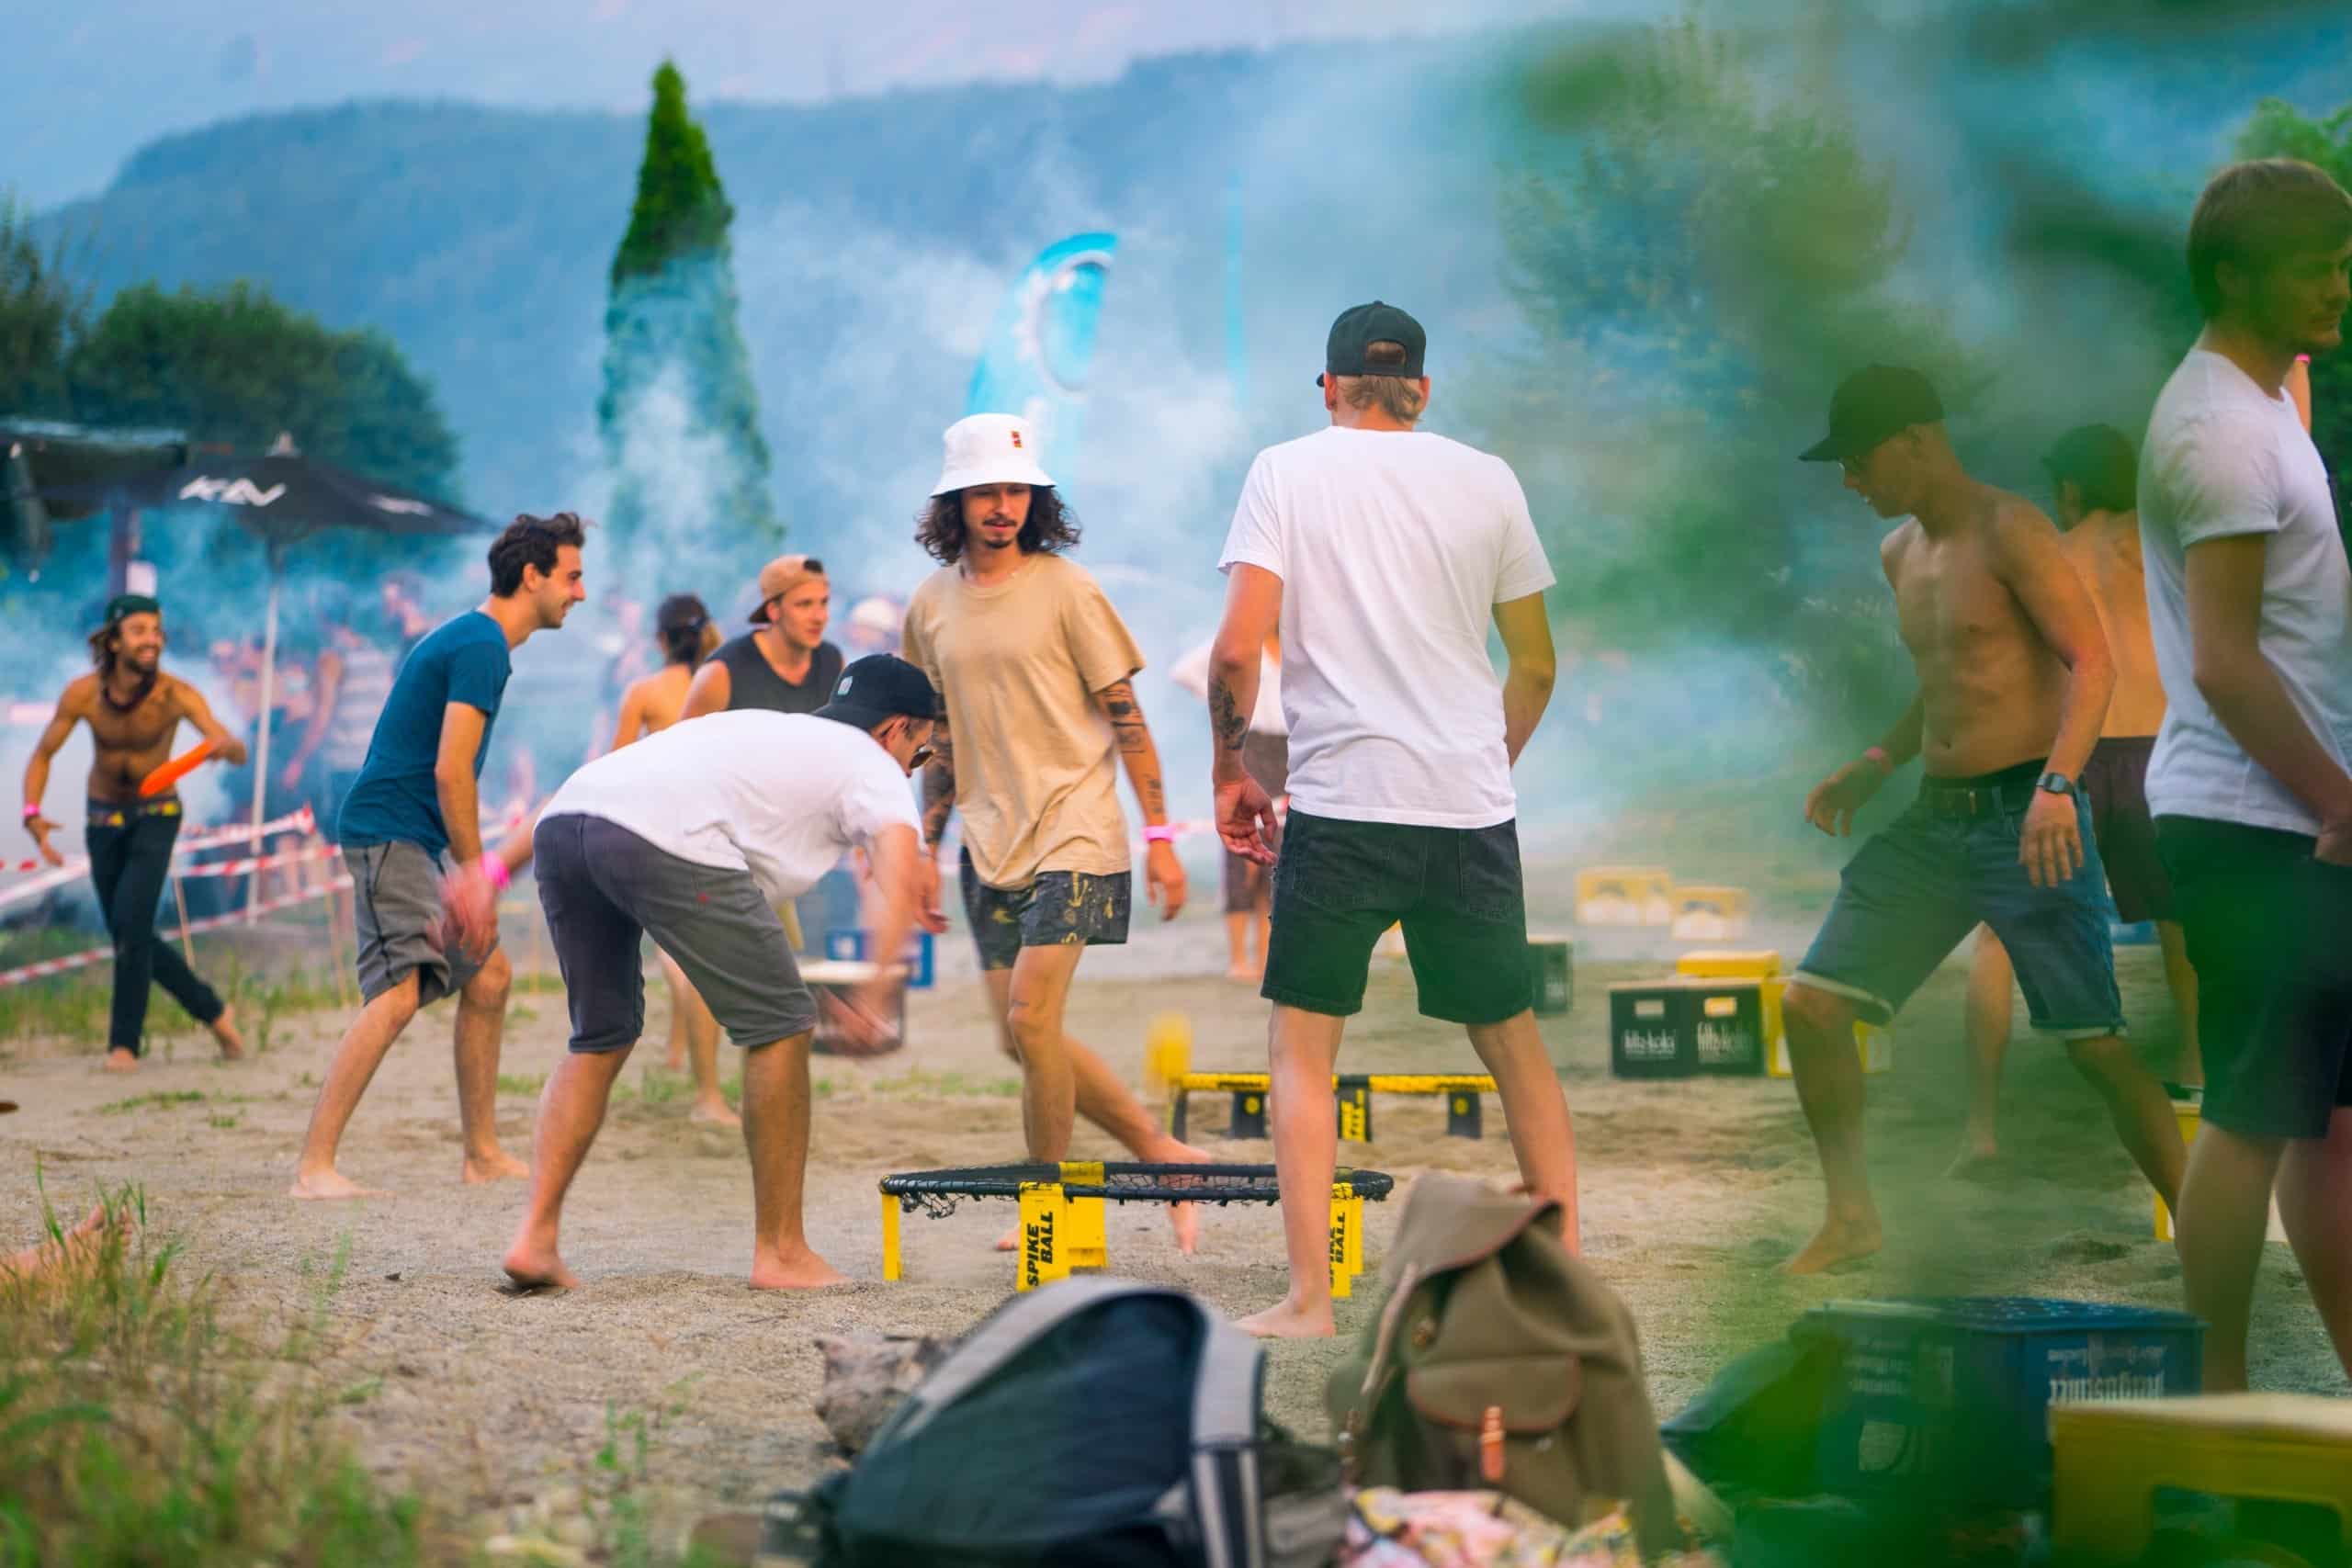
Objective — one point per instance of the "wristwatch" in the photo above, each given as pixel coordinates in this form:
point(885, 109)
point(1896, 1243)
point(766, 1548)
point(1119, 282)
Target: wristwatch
point(2056, 783)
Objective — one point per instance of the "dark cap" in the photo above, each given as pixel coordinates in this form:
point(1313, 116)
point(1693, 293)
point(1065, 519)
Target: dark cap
point(1361, 326)
point(122, 606)
point(681, 611)
point(877, 687)
point(1874, 403)
point(2099, 459)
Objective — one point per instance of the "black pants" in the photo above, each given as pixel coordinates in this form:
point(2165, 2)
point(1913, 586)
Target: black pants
point(130, 854)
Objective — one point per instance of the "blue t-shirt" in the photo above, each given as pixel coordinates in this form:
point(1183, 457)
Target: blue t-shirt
point(393, 800)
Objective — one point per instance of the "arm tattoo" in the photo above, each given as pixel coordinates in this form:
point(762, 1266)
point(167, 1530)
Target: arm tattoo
point(938, 787)
point(1126, 718)
point(1226, 716)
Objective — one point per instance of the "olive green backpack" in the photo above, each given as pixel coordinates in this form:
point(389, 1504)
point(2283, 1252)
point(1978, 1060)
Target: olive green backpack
point(1500, 1362)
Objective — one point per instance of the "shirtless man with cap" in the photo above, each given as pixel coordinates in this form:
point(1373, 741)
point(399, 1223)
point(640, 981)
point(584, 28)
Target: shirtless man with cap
point(133, 710)
point(2014, 681)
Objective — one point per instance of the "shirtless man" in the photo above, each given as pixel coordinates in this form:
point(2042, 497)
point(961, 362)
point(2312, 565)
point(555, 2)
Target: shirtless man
point(652, 704)
point(2095, 473)
point(133, 710)
point(2014, 680)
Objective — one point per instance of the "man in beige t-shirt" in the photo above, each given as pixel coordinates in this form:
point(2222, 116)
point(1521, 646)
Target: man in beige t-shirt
point(1032, 666)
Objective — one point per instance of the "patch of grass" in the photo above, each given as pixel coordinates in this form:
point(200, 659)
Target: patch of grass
point(224, 1122)
point(522, 1083)
point(517, 1012)
point(161, 1099)
point(920, 1084)
point(657, 1086)
point(138, 1423)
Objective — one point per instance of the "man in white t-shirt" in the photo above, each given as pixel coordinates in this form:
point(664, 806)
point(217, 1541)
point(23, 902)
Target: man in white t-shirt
point(694, 835)
point(1382, 554)
point(2250, 602)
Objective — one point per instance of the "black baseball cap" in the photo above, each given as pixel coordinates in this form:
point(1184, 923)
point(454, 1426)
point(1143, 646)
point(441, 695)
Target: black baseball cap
point(1361, 326)
point(877, 687)
point(679, 612)
point(1874, 403)
point(122, 606)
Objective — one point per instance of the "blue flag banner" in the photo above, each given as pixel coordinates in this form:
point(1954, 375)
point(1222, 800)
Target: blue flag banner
point(1041, 346)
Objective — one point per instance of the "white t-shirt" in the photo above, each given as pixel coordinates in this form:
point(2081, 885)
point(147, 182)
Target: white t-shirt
point(1393, 548)
point(2224, 458)
point(779, 795)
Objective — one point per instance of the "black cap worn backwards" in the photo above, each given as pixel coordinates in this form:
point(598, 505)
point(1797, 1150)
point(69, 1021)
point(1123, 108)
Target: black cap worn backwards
point(122, 606)
point(1361, 326)
point(877, 687)
point(1872, 404)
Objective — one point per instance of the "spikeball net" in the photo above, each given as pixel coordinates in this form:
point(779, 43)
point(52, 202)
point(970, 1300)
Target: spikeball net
point(937, 1193)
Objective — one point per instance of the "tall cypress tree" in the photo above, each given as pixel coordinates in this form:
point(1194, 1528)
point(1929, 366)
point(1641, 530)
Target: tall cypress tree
point(679, 415)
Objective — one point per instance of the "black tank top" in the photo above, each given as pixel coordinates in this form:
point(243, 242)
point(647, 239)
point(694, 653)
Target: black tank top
point(752, 683)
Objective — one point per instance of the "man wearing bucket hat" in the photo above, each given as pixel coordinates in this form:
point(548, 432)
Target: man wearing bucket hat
point(2015, 678)
point(694, 835)
point(133, 710)
point(783, 663)
point(1034, 666)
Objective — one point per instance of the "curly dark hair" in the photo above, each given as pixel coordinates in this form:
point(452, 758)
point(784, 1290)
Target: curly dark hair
point(531, 541)
point(1052, 527)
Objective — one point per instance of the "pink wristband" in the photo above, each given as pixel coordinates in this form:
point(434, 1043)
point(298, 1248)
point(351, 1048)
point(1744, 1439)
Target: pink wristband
point(1878, 754)
point(1162, 834)
point(494, 868)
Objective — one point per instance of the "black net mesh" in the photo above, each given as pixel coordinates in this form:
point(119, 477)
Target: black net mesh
point(936, 1192)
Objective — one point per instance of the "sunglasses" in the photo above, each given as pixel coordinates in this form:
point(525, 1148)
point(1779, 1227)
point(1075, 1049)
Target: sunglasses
point(922, 754)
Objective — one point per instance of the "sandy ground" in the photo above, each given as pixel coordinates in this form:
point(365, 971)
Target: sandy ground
point(1692, 1191)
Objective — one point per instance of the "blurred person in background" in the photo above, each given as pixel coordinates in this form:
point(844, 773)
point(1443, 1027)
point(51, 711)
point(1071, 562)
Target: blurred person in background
point(402, 603)
point(1265, 754)
point(622, 644)
point(2095, 473)
point(873, 626)
point(686, 637)
point(133, 710)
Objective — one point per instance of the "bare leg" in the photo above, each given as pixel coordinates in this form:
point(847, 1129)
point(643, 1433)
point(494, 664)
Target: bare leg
point(1099, 1095)
point(77, 1249)
point(2315, 1202)
point(1991, 980)
point(2140, 1108)
point(676, 1058)
point(1301, 1047)
point(1535, 1110)
point(225, 1035)
point(2181, 979)
point(1829, 1086)
point(1261, 928)
point(354, 1066)
point(691, 1014)
point(775, 1131)
point(482, 1017)
point(2224, 1214)
point(571, 1108)
point(1236, 945)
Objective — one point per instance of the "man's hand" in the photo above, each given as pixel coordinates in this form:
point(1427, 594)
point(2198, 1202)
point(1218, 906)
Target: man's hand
point(928, 914)
point(232, 751)
point(1834, 800)
point(866, 1017)
point(40, 828)
point(1245, 813)
point(470, 911)
point(1163, 878)
point(2335, 844)
point(2050, 848)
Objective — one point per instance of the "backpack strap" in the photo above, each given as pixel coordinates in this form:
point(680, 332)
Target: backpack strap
point(998, 1340)
point(1226, 1485)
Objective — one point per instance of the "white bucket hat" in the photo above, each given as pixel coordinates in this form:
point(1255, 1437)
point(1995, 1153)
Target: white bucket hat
point(991, 449)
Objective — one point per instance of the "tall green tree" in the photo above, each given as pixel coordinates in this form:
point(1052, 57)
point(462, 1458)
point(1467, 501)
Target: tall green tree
point(40, 311)
point(2278, 129)
point(679, 415)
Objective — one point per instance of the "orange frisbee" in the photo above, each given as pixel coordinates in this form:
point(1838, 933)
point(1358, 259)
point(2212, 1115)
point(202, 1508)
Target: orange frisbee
point(178, 768)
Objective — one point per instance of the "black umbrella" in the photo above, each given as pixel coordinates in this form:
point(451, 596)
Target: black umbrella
point(283, 497)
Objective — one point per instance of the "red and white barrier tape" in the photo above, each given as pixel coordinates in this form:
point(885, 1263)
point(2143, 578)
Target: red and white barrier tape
point(263, 863)
point(193, 843)
point(71, 961)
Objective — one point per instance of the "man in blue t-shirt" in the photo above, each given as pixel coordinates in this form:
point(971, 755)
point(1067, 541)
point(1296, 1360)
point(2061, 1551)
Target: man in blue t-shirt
point(415, 810)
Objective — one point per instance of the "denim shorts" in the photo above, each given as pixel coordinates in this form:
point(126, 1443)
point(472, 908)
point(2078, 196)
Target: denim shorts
point(1931, 875)
point(1456, 891)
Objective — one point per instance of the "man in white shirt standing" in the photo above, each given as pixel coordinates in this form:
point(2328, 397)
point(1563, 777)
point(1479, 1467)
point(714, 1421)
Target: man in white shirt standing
point(1382, 553)
point(2250, 602)
point(693, 836)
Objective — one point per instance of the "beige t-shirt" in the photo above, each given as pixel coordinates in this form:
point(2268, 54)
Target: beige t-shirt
point(1019, 663)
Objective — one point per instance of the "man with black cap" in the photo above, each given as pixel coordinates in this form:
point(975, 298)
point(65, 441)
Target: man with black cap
point(692, 836)
point(2093, 473)
point(2014, 680)
point(133, 710)
point(1384, 554)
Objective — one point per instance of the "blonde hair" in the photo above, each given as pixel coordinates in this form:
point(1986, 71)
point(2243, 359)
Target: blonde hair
point(1398, 396)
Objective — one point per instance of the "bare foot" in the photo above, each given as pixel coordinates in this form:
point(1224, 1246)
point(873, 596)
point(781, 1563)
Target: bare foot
point(1010, 1240)
point(121, 1060)
point(1242, 974)
point(77, 1249)
point(713, 1113)
point(496, 1167)
point(676, 1060)
point(224, 1030)
point(1286, 1321)
point(1840, 1240)
point(329, 1183)
point(1184, 1218)
point(536, 1268)
point(801, 1270)
point(1979, 1158)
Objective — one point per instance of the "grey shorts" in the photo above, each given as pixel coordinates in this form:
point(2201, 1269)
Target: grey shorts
point(603, 887)
point(396, 896)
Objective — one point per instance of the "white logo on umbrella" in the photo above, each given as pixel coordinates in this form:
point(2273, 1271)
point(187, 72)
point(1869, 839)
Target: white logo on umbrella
point(230, 492)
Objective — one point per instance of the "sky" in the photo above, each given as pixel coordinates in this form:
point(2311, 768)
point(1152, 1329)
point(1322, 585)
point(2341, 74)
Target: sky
point(106, 76)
